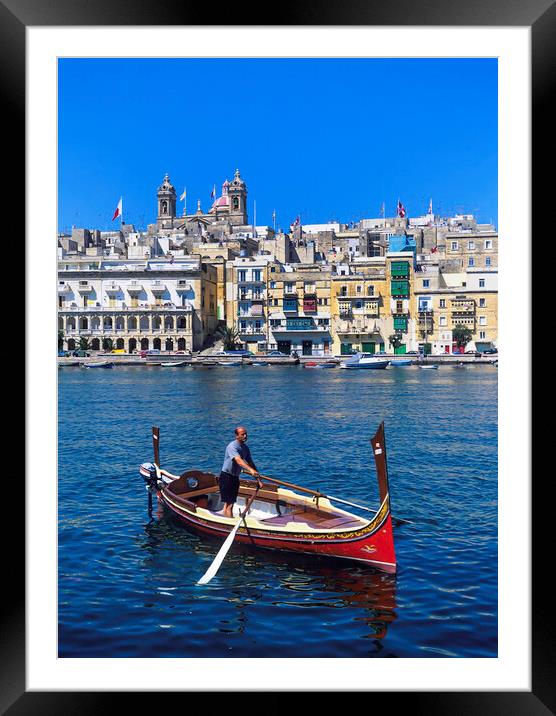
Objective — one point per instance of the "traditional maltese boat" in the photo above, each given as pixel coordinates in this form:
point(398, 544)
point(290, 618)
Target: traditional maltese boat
point(279, 518)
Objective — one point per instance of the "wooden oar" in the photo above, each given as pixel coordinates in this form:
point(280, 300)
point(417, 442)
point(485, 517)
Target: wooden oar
point(329, 497)
point(223, 551)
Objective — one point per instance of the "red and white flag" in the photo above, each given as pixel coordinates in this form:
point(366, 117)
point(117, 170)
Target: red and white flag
point(118, 211)
point(401, 209)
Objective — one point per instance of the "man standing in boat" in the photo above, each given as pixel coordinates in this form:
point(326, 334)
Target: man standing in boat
point(237, 458)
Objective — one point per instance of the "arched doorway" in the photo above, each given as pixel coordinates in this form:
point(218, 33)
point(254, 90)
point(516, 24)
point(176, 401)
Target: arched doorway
point(71, 344)
point(132, 345)
point(144, 344)
point(95, 344)
point(169, 344)
point(181, 344)
point(120, 343)
point(156, 344)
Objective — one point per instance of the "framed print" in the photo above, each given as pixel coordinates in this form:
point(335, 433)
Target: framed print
point(133, 118)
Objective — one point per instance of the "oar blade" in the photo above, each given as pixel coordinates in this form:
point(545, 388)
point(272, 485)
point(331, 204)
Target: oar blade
point(222, 552)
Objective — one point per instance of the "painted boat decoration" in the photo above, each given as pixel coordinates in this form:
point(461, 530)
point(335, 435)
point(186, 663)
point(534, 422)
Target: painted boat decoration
point(280, 518)
point(364, 361)
point(102, 364)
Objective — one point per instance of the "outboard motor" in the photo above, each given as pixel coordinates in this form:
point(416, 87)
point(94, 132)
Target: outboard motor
point(148, 472)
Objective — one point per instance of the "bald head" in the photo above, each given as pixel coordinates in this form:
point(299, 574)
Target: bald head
point(241, 433)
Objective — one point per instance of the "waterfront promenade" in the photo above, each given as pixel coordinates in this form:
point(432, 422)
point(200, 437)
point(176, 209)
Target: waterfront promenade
point(200, 360)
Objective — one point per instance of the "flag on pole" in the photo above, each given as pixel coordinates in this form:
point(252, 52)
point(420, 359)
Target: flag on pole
point(118, 211)
point(274, 215)
point(213, 192)
point(430, 206)
point(382, 210)
point(182, 197)
point(401, 209)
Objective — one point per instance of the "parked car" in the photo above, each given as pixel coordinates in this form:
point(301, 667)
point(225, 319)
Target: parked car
point(151, 352)
point(239, 353)
point(490, 351)
point(472, 353)
point(182, 353)
point(63, 354)
point(412, 353)
point(380, 353)
point(118, 350)
point(276, 354)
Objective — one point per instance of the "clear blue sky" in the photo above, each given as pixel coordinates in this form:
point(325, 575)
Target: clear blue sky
point(328, 139)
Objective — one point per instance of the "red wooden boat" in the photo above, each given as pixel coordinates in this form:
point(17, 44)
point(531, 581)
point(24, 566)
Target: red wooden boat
point(280, 518)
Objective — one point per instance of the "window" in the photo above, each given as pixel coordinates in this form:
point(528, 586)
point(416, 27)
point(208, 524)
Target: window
point(426, 283)
point(242, 275)
point(454, 245)
point(359, 289)
point(471, 246)
point(256, 275)
point(288, 287)
point(481, 283)
point(488, 244)
point(370, 290)
point(471, 263)
point(482, 303)
point(488, 261)
point(442, 303)
point(482, 321)
point(399, 306)
point(243, 325)
point(272, 284)
point(359, 304)
point(482, 335)
point(443, 320)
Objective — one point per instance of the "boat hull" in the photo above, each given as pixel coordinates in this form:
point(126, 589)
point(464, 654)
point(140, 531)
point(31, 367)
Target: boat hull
point(371, 543)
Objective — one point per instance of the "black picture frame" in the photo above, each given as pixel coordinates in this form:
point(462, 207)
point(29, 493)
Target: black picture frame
point(540, 16)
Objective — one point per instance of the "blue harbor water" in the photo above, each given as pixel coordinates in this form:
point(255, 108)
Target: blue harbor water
point(127, 579)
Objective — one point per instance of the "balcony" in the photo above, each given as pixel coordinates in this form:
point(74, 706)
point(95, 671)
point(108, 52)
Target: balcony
point(355, 329)
point(112, 288)
point(84, 287)
point(158, 287)
point(134, 287)
point(183, 286)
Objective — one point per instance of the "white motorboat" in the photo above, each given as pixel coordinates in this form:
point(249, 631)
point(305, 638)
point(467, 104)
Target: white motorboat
point(364, 361)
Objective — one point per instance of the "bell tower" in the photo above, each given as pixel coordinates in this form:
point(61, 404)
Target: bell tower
point(166, 196)
point(237, 192)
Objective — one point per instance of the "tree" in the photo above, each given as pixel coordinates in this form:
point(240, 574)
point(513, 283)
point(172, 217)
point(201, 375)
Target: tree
point(61, 340)
point(107, 344)
point(461, 335)
point(84, 344)
point(395, 340)
point(230, 336)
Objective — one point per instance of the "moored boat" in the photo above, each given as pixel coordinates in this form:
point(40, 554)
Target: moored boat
point(432, 366)
point(101, 364)
point(364, 361)
point(280, 518)
point(401, 361)
point(229, 363)
point(177, 364)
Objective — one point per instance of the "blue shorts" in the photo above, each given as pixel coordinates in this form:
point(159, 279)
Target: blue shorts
point(229, 487)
